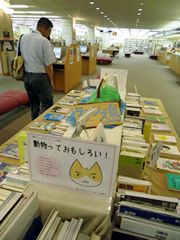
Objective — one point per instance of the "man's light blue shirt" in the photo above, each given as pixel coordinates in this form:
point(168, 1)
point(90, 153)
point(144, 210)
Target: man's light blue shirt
point(37, 52)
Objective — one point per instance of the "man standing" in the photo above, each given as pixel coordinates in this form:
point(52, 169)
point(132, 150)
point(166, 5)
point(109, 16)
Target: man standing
point(38, 58)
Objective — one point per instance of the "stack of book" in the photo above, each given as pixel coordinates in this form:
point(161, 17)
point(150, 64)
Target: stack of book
point(147, 217)
point(59, 129)
point(133, 103)
point(17, 213)
point(134, 148)
point(55, 228)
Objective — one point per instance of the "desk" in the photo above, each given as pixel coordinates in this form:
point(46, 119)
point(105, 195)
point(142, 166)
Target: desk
point(113, 52)
point(175, 62)
point(164, 56)
point(89, 60)
point(67, 74)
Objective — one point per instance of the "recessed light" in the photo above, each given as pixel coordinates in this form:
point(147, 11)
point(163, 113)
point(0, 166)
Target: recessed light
point(97, 8)
point(139, 13)
point(102, 12)
point(91, 2)
point(140, 9)
point(142, 4)
point(108, 18)
point(105, 16)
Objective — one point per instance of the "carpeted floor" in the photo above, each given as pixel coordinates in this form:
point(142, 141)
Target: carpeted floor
point(152, 78)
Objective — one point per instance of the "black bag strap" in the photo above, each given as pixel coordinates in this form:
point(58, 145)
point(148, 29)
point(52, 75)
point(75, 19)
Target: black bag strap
point(19, 51)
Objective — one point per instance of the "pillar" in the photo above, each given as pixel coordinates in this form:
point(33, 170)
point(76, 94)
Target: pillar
point(68, 31)
point(90, 35)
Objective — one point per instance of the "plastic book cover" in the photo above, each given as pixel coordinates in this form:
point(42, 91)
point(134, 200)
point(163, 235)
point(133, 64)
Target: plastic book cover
point(164, 138)
point(155, 119)
point(173, 181)
point(5, 169)
point(61, 110)
point(152, 111)
point(53, 117)
point(168, 165)
point(151, 103)
point(160, 127)
point(10, 151)
point(42, 126)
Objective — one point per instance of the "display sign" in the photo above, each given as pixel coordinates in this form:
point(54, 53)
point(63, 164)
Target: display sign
point(106, 112)
point(71, 164)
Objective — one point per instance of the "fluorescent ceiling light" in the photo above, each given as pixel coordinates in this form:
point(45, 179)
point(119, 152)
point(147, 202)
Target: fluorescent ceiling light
point(36, 12)
point(24, 12)
point(19, 6)
point(53, 16)
point(25, 16)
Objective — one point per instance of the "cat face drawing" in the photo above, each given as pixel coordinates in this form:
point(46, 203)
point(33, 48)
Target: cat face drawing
point(86, 177)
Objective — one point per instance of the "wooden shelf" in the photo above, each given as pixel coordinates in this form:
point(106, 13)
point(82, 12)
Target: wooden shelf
point(89, 60)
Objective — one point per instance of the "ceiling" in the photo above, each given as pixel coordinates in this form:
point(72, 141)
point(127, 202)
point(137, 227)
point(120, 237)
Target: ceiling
point(155, 14)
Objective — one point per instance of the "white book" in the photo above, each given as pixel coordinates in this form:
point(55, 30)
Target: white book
point(52, 229)
point(169, 150)
point(165, 138)
point(160, 127)
point(168, 165)
point(135, 143)
point(134, 149)
point(151, 107)
point(149, 228)
point(78, 227)
point(82, 236)
point(48, 224)
point(63, 230)
point(71, 229)
point(133, 139)
point(58, 231)
point(152, 111)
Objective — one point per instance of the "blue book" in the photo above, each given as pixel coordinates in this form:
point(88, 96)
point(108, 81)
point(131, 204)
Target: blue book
point(173, 181)
point(53, 117)
point(150, 213)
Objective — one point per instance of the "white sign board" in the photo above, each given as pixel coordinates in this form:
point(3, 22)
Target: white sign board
point(121, 76)
point(155, 153)
point(71, 164)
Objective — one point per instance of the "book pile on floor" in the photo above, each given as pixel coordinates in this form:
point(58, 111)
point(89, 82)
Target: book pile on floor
point(133, 103)
point(146, 216)
point(57, 229)
point(17, 213)
point(134, 148)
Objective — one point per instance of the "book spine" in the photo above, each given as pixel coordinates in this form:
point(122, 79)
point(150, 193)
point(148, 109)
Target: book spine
point(17, 180)
point(171, 206)
point(132, 187)
point(148, 214)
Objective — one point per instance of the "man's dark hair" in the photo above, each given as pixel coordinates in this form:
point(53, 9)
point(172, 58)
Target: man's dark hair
point(44, 22)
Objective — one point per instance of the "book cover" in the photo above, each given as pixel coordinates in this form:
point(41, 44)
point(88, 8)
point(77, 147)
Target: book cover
point(132, 184)
point(5, 169)
point(53, 117)
point(67, 102)
point(165, 138)
point(151, 107)
point(168, 165)
point(160, 127)
point(137, 119)
point(73, 97)
point(76, 92)
point(61, 110)
point(99, 134)
point(152, 111)
point(168, 150)
point(131, 164)
point(149, 228)
point(22, 146)
point(151, 103)
point(132, 111)
point(150, 213)
point(42, 126)
point(155, 119)
point(10, 151)
point(173, 181)
point(161, 202)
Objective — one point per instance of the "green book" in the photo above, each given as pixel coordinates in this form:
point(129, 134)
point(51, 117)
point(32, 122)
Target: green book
point(155, 119)
point(173, 181)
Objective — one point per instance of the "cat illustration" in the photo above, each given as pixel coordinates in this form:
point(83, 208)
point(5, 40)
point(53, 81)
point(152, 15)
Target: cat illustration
point(86, 177)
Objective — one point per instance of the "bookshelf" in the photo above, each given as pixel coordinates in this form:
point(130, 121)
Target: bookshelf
point(143, 45)
point(67, 71)
point(89, 60)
